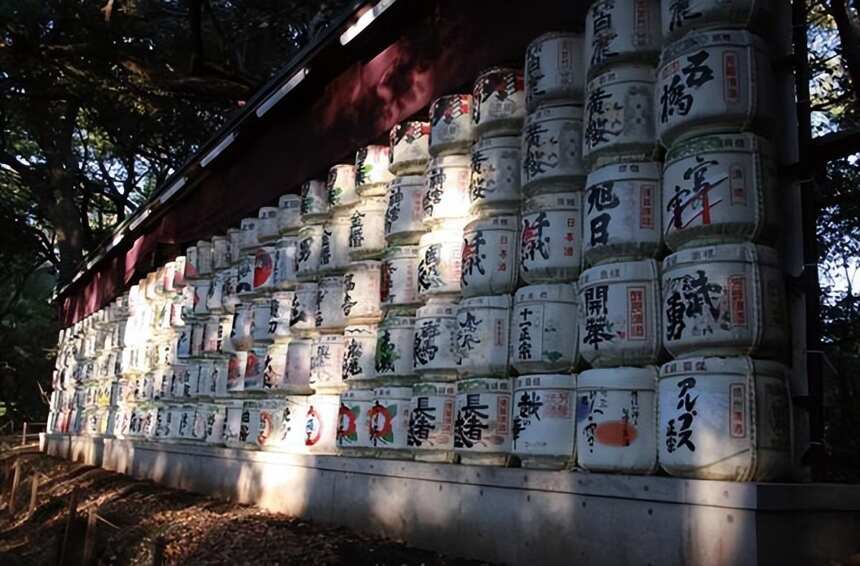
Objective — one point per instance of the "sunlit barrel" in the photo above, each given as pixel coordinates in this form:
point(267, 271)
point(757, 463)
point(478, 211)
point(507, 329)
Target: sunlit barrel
point(554, 69)
point(353, 430)
point(371, 170)
point(404, 215)
point(394, 347)
point(286, 251)
point(304, 308)
point(440, 260)
point(483, 334)
point(389, 421)
point(327, 364)
point(367, 228)
point(314, 203)
point(359, 354)
point(543, 422)
point(408, 147)
point(551, 238)
point(329, 315)
point(446, 189)
point(340, 185)
point(275, 366)
point(241, 334)
point(482, 421)
point(399, 277)
point(543, 328)
point(289, 213)
point(334, 245)
point(321, 423)
point(361, 292)
point(254, 365)
point(308, 251)
point(489, 255)
point(451, 126)
point(298, 370)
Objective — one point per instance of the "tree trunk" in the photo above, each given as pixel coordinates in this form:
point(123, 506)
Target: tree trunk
point(849, 36)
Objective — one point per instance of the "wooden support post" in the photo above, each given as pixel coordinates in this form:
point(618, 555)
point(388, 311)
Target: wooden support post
point(158, 551)
point(70, 520)
point(24, 434)
point(34, 492)
point(90, 538)
point(16, 479)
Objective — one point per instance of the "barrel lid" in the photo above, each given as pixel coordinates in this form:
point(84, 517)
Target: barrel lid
point(554, 201)
point(216, 238)
point(437, 307)
point(408, 181)
point(619, 378)
point(630, 171)
point(553, 292)
point(739, 142)
point(310, 228)
point(555, 111)
point(331, 281)
point(447, 389)
point(397, 252)
point(366, 265)
point(449, 161)
point(372, 201)
point(268, 212)
point(360, 330)
point(695, 41)
point(546, 381)
point(735, 365)
point(630, 72)
point(497, 142)
point(743, 252)
point(487, 301)
point(307, 287)
point(341, 216)
point(284, 200)
point(250, 221)
point(337, 166)
point(484, 384)
point(556, 35)
point(358, 395)
point(203, 244)
point(397, 321)
point(494, 222)
point(645, 269)
point(393, 392)
point(335, 338)
point(285, 241)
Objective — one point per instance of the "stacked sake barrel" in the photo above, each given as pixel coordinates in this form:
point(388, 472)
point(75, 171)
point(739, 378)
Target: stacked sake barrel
point(723, 402)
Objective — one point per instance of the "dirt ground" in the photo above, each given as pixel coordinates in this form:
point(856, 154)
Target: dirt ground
point(195, 529)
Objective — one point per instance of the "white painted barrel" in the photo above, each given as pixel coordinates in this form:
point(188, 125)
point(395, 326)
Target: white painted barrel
point(483, 336)
point(321, 423)
point(440, 259)
point(431, 421)
point(451, 127)
point(367, 228)
point(435, 341)
point(334, 245)
point(275, 366)
point(551, 238)
point(489, 255)
point(340, 185)
point(371, 170)
point(215, 295)
point(298, 371)
point(249, 240)
point(359, 353)
point(399, 277)
point(621, 32)
point(409, 148)
point(249, 425)
point(719, 188)
point(389, 420)
point(304, 308)
point(211, 327)
point(201, 291)
point(623, 211)
point(362, 292)
point(204, 258)
point(314, 203)
point(281, 304)
point(327, 364)
point(619, 320)
point(264, 269)
point(221, 254)
point(268, 229)
point(544, 422)
point(543, 328)
point(190, 272)
point(289, 213)
point(236, 236)
point(404, 215)
point(254, 367)
point(286, 251)
point(552, 150)
point(482, 422)
point(329, 316)
point(261, 330)
point(394, 347)
point(232, 423)
point(446, 189)
point(619, 116)
point(245, 276)
point(714, 82)
point(680, 18)
point(353, 429)
point(616, 420)
point(499, 102)
point(724, 300)
point(188, 417)
point(495, 179)
point(241, 337)
point(724, 419)
point(214, 415)
point(554, 69)
point(308, 251)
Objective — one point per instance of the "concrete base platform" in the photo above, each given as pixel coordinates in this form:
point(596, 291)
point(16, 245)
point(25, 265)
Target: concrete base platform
point(512, 516)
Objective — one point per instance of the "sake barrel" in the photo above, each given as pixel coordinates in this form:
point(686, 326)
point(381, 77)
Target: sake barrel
point(245, 277)
point(321, 423)
point(359, 353)
point(482, 424)
point(327, 364)
point(236, 236)
point(353, 429)
point(394, 346)
point(499, 102)
point(329, 315)
point(622, 213)
point(249, 424)
point(483, 335)
point(435, 340)
point(261, 330)
point(225, 328)
point(287, 423)
point(308, 254)
point(404, 215)
point(201, 291)
point(619, 116)
point(232, 423)
point(619, 322)
point(211, 328)
point(389, 421)
point(550, 238)
point(552, 150)
point(440, 260)
point(544, 422)
point(543, 328)
point(555, 70)
point(214, 415)
point(361, 293)
point(399, 277)
point(619, 32)
point(334, 245)
point(269, 426)
point(495, 179)
point(304, 308)
point(371, 170)
point(286, 251)
point(275, 366)
point(489, 255)
point(718, 189)
point(249, 240)
point(241, 334)
point(214, 296)
point(314, 203)
point(298, 371)
point(178, 282)
point(682, 17)
point(616, 420)
point(236, 365)
point(204, 258)
point(268, 229)
point(408, 147)
point(281, 306)
point(254, 368)
point(289, 213)
point(724, 419)
point(431, 422)
point(724, 300)
point(264, 268)
point(714, 82)
point(446, 189)
point(340, 185)
point(367, 228)
point(229, 289)
point(451, 127)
